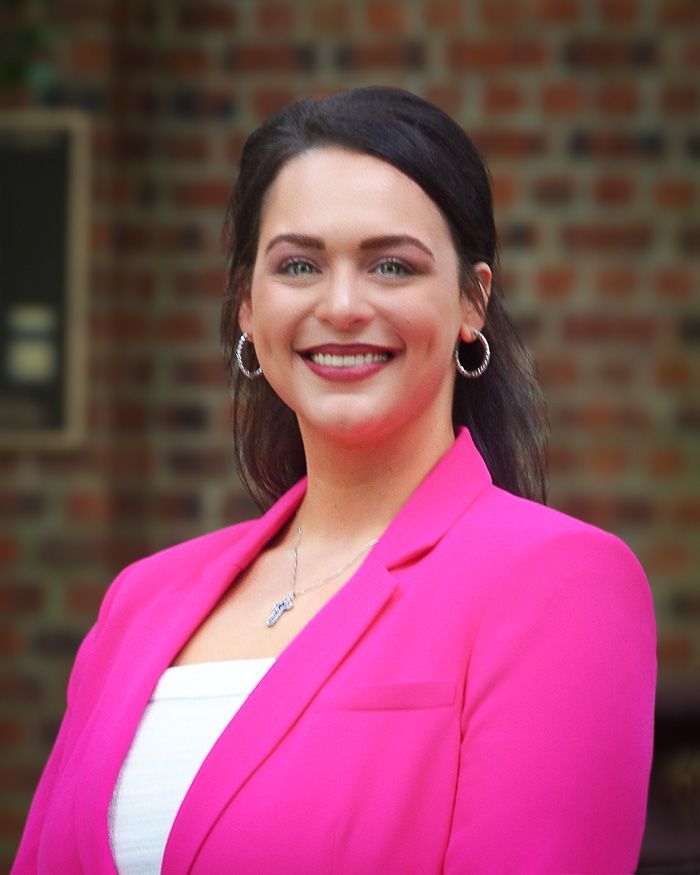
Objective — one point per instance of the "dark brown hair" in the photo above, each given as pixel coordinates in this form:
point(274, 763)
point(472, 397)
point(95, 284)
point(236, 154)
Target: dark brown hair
point(503, 409)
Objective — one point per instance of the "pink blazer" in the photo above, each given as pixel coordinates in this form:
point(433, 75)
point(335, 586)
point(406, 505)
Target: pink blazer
point(478, 698)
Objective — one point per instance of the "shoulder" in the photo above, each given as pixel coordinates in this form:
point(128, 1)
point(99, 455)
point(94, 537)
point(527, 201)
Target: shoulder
point(532, 550)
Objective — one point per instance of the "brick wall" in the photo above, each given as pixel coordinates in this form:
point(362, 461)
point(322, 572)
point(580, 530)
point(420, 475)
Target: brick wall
point(586, 111)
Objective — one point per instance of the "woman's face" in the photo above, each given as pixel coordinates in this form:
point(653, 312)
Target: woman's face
point(355, 307)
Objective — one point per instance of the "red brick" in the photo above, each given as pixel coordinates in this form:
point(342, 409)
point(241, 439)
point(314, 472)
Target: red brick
point(21, 597)
point(554, 189)
point(180, 239)
point(9, 551)
point(330, 17)
point(610, 238)
point(126, 326)
point(494, 54)
point(90, 507)
point(623, 12)
point(266, 58)
point(686, 510)
point(510, 143)
point(91, 56)
point(200, 284)
point(667, 558)
point(233, 146)
point(504, 13)
point(675, 373)
point(19, 505)
point(617, 282)
point(185, 61)
point(382, 56)
point(607, 53)
point(603, 416)
point(679, 13)
point(204, 193)
point(113, 191)
point(11, 731)
point(504, 189)
point(613, 190)
point(19, 777)
point(558, 371)
point(200, 372)
point(619, 373)
point(674, 650)
point(674, 283)
point(666, 462)
point(618, 98)
point(200, 15)
point(84, 599)
point(557, 11)
point(183, 147)
point(502, 97)
point(448, 96)
point(680, 98)
point(11, 641)
point(180, 327)
point(123, 283)
point(383, 15)
point(600, 328)
point(267, 101)
point(562, 98)
point(443, 14)
point(556, 282)
point(675, 193)
point(275, 16)
point(606, 461)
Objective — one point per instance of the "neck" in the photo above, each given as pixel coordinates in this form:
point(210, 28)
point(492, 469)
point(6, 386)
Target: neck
point(354, 492)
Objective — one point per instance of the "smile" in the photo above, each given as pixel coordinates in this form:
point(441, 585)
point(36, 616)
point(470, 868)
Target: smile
point(348, 361)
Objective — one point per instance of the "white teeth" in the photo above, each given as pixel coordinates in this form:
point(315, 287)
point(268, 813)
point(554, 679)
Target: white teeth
point(348, 361)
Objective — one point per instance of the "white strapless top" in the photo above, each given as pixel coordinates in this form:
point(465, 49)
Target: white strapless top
point(190, 707)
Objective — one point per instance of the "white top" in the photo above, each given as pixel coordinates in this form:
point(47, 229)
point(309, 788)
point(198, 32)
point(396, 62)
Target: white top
point(190, 707)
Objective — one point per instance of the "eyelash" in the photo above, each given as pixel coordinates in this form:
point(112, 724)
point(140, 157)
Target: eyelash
point(284, 268)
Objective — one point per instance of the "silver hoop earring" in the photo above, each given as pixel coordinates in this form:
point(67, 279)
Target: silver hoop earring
point(243, 339)
point(477, 372)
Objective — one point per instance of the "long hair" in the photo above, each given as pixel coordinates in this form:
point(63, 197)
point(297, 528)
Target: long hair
point(504, 409)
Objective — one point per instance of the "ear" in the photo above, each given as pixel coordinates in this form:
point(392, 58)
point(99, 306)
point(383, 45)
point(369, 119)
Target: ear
point(471, 317)
point(245, 317)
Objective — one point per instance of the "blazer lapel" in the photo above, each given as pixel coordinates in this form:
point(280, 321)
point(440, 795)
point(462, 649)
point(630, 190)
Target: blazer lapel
point(136, 662)
point(273, 707)
point(305, 665)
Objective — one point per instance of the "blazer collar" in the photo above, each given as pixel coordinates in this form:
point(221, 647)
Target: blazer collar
point(444, 494)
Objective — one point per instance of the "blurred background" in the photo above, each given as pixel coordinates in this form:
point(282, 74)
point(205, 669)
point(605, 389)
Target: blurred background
point(587, 114)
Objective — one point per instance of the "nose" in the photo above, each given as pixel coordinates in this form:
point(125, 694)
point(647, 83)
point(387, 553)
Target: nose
point(342, 302)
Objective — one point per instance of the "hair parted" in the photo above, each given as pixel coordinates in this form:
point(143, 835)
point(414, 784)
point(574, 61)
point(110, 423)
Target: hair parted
point(504, 409)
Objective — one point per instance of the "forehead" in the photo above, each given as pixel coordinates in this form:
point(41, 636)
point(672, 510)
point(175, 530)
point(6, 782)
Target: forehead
point(329, 190)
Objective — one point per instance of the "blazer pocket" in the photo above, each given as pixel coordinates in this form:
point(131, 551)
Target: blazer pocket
point(409, 695)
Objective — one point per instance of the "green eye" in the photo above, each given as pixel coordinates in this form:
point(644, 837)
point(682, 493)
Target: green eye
point(392, 268)
point(297, 267)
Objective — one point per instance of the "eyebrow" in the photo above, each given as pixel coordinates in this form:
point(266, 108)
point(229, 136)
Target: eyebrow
point(369, 244)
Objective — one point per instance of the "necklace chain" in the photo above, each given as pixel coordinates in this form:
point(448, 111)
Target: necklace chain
point(287, 603)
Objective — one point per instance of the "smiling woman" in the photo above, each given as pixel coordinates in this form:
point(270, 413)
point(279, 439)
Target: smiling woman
point(408, 664)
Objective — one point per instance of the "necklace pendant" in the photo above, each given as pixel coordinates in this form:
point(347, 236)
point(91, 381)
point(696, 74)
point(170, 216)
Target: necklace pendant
point(285, 604)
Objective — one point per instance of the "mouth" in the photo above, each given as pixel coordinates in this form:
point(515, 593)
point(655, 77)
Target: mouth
point(349, 359)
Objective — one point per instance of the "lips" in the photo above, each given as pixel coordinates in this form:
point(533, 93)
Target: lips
point(347, 360)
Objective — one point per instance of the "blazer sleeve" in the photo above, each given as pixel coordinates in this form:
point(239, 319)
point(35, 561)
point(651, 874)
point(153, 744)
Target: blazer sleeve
point(557, 724)
point(26, 858)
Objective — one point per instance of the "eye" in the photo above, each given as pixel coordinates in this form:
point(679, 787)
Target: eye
point(296, 267)
point(392, 267)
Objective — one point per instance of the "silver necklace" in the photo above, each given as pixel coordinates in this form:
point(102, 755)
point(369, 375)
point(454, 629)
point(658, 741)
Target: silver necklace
point(287, 603)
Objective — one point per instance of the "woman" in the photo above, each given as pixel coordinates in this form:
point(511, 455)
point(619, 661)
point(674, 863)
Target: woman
point(430, 670)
